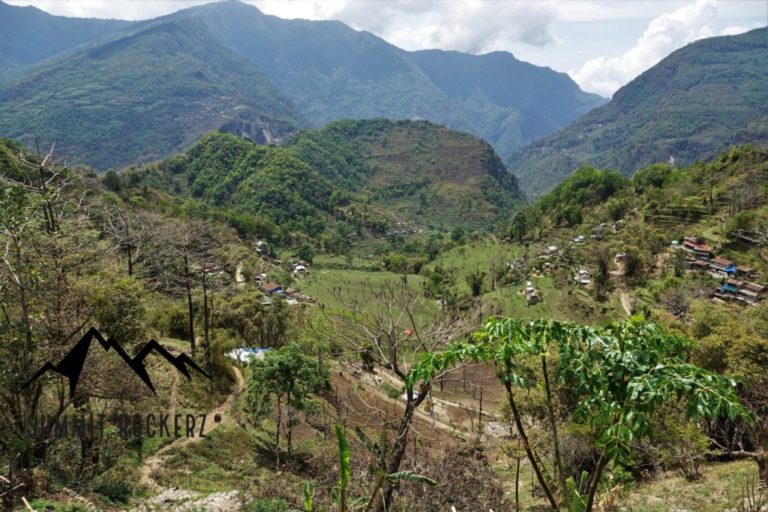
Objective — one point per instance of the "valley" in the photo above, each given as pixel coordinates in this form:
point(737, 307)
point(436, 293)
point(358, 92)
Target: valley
point(388, 280)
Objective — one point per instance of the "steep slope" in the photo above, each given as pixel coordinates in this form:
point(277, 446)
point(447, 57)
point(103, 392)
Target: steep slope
point(693, 104)
point(328, 70)
point(504, 99)
point(151, 91)
point(421, 172)
point(334, 72)
point(29, 35)
point(367, 175)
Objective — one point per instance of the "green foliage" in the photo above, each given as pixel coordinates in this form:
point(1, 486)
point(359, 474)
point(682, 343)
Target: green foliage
point(269, 505)
point(305, 252)
point(118, 307)
point(685, 106)
point(285, 373)
point(586, 187)
point(44, 505)
point(114, 489)
point(617, 376)
point(345, 471)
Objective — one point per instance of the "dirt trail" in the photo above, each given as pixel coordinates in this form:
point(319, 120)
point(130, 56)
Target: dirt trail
point(155, 461)
point(626, 302)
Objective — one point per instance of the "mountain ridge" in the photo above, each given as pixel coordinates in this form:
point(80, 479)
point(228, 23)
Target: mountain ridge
point(691, 106)
point(322, 71)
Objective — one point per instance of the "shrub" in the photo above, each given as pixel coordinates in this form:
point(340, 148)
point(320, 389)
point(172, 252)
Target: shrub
point(114, 489)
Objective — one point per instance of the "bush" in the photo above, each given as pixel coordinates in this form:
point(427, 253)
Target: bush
point(114, 489)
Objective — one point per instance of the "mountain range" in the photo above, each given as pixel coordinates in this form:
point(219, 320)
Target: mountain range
point(693, 104)
point(135, 92)
point(29, 35)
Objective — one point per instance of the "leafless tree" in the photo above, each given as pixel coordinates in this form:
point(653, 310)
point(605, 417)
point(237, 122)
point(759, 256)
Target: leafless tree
point(390, 327)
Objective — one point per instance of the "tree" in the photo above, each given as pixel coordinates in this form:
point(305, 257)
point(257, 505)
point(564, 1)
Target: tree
point(382, 321)
point(476, 282)
point(45, 240)
point(734, 341)
point(601, 259)
point(130, 230)
point(118, 308)
point(305, 252)
point(287, 378)
point(519, 227)
point(617, 377)
point(183, 250)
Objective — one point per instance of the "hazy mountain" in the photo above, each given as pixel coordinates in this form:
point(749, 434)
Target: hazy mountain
point(693, 104)
point(153, 90)
point(334, 72)
point(156, 86)
point(29, 35)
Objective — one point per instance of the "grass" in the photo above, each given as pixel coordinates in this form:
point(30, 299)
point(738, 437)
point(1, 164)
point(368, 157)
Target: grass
point(720, 489)
point(320, 284)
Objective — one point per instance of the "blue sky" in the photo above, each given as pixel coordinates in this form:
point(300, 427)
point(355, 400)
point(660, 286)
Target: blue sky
point(602, 44)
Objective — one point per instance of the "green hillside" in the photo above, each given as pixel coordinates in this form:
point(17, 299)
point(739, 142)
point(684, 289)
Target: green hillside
point(152, 91)
point(418, 172)
point(226, 64)
point(350, 179)
point(29, 35)
point(695, 103)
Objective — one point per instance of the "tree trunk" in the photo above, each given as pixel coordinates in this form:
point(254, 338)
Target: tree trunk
point(206, 326)
point(191, 311)
point(398, 450)
point(277, 434)
point(528, 450)
point(762, 465)
point(289, 433)
point(561, 477)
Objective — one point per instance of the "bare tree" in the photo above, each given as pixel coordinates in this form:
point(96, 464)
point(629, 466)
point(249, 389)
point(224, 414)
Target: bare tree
point(44, 239)
point(388, 326)
point(129, 229)
point(182, 250)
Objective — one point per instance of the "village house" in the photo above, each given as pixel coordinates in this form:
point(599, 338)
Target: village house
point(722, 267)
point(532, 295)
point(262, 247)
point(745, 272)
point(598, 231)
point(271, 288)
point(698, 250)
point(741, 291)
point(698, 265)
point(583, 277)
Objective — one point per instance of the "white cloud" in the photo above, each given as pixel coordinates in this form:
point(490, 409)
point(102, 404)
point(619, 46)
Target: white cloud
point(666, 33)
point(474, 26)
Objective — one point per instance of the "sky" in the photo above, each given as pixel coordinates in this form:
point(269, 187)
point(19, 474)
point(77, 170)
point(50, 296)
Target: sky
point(601, 44)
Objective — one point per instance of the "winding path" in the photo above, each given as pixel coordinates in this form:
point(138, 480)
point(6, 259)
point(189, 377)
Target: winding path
point(155, 461)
